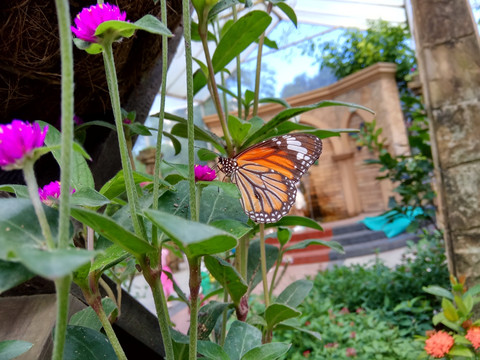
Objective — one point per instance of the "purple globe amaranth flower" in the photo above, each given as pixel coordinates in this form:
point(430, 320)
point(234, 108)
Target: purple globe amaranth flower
point(88, 19)
point(17, 142)
point(50, 192)
point(204, 173)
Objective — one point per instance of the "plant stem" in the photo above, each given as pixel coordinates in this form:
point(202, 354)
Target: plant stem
point(259, 67)
point(214, 91)
point(31, 181)
point(132, 196)
point(161, 115)
point(263, 260)
point(275, 272)
point(194, 283)
point(62, 288)
point(66, 53)
point(154, 280)
point(190, 125)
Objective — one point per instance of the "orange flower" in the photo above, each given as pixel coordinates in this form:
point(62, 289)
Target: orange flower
point(473, 335)
point(439, 344)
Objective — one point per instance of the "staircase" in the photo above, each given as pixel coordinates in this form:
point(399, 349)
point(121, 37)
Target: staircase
point(356, 239)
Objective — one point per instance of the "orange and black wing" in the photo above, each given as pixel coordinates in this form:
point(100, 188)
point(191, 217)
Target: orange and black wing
point(266, 174)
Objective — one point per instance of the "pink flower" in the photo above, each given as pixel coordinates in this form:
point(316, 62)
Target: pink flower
point(306, 353)
point(166, 282)
point(204, 173)
point(51, 192)
point(473, 335)
point(350, 352)
point(17, 142)
point(88, 19)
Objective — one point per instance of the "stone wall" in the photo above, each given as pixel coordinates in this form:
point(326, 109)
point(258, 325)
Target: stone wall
point(342, 185)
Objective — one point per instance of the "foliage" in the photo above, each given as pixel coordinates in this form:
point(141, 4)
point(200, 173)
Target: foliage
point(365, 334)
point(381, 42)
point(456, 318)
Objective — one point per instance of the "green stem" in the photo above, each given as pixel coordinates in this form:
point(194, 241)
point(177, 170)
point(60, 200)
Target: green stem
point(239, 73)
point(214, 91)
point(224, 319)
point(198, 197)
point(109, 329)
point(31, 181)
point(66, 53)
point(263, 260)
point(190, 125)
point(161, 115)
point(117, 112)
point(154, 280)
point(194, 283)
point(62, 288)
point(259, 67)
point(275, 272)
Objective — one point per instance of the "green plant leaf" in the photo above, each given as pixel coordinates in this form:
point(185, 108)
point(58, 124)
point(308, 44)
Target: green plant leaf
point(13, 274)
point(234, 227)
point(461, 350)
point(112, 231)
point(147, 23)
point(88, 318)
point(284, 235)
point(287, 114)
point(228, 276)
point(208, 316)
point(449, 310)
point(438, 291)
point(276, 313)
point(474, 290)
point(10, 349)
point(19, 226)
point(206, 155)
point(295, 293)
point(196, 36)
point(116, 185)
point(220, 6)
point(238, 129)
point(269, 351)
point(305, 243)
point(81, 175)
point(20, 191)
point(287, 10)
point(272, 100)
point(194, 238)
point(108, 258)
point(85, 343)
point(241, 34)
point(230, 189)
point(88, 197)
point(294, 324)
point(294, 220)
point(241, 338)
point(460, 305)
point(176, 144)
point(211, 351)
point(55, 263)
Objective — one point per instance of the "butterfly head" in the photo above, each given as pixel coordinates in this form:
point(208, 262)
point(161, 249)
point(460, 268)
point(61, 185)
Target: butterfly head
point(228, 165)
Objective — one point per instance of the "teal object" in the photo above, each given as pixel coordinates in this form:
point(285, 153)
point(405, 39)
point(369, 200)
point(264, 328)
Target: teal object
point(392, 223)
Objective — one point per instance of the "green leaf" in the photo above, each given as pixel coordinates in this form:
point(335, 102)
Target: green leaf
point(97, 123)
point(89, 319)
point(254, 273)
point(438, 291)
point(284, 235)
point(88, 197)
point(113, 255)
point(294, 220)
point(10, 349)
point(211, 350)
point(228, 276)
point(19, 226)
point(196, 35)
point(449, 310)
point(468, 301)
point(461, 305)
point(147, 23)
point(20, 191)
point(176, 144)
point(295, 293)
point(208, 316)
point(220, 6)
point(54, 263)
point(206, 155)
point(230, 189)
point(13, 274)
point(461, 350)
point(288, 11)
point(81, 175)
point(269, 43)
point(474, 290)
point(202, 66)
point(240, 339)
point(276, 313)
point(238, 129)
point(294, 324)
point(269, 351)
point(287, 114)
point(114, 232)
point(116, 185)
point(305, 243)
point(280, 101)
point(234, 227)
point(85, 343)
point(241, 34)
point(194, 238)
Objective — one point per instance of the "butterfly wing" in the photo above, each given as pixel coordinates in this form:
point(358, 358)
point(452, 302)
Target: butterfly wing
point(266, 174)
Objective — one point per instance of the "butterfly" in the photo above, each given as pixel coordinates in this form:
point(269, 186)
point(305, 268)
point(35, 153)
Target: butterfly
point(267, 173)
